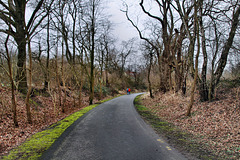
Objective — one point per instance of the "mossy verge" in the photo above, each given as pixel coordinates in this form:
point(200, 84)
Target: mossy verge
point(34, 146)
point(183, 141)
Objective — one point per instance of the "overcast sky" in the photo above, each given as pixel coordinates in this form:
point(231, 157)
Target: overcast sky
point(122, 27)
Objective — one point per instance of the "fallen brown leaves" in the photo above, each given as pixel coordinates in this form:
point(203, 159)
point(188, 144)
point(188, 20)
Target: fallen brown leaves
point(216, 123)
point(42, 113)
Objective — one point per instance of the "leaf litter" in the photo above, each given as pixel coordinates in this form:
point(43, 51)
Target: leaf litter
point(216, 123)
point(43, 116)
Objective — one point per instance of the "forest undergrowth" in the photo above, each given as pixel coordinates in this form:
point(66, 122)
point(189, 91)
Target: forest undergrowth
point(43, 114)
point(215, 124)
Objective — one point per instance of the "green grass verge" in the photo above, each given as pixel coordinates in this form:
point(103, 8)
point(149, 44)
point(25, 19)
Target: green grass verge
point(181, 140)
point(34, 146)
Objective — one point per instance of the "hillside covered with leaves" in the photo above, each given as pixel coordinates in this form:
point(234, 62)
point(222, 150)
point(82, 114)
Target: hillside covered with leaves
point(215, 124)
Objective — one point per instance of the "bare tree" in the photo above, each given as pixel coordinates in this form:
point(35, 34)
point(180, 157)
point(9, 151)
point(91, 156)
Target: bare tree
point(93, 8)
point(127, 48)
point(28, 108)
point(48, 49)
point(10, 74)
point(92, 19)
point(13, 13)
point(149, 56)
point(167, 27)
point(226, 48)
point(166, 21)
point(210, 12)
point(108, 42)
point(194, 83)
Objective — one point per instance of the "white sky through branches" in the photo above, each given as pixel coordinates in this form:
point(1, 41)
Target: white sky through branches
point(122, 28)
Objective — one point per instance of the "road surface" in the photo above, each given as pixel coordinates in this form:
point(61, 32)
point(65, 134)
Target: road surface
point(112, 131)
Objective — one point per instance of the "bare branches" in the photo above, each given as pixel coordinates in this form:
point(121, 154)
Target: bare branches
point(227, 46)
point(136, 27)
point(30, 22)
point(149, 14)
point(5, 17)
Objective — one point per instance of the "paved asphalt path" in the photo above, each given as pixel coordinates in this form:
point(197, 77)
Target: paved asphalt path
point(112, 131)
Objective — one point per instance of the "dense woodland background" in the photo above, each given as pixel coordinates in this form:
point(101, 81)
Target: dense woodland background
point(64, 53)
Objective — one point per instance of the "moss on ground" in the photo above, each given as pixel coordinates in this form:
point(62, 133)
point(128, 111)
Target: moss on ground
point(183, 141)
point(34, 146)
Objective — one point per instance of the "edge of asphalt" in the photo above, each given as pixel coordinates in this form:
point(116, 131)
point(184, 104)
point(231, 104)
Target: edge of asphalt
point(37, 144)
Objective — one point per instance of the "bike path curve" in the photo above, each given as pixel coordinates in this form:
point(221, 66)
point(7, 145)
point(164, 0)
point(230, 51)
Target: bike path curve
point(112, 131)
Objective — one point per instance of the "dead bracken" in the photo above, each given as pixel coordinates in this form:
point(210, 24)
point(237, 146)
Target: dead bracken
point(214, 124)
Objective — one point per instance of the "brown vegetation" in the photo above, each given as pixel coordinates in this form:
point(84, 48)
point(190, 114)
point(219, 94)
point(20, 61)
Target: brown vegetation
point(77, 56)
point(216, 123)
point(43, 115)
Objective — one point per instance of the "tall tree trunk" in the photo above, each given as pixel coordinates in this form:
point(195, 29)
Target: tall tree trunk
point(14, 105)
point(159, 66)
point(92, 54)
point(224, 56)
point(106, 68)
point(196, 62)
point(101, 74)
point(28, 107)
point(81, 77)
point(179, 70)
point(48, 54)
point(21, 77)
point(20, 38)
point(63, 80)
point(210, 89)
point(92, 71)
point(164, 75)
point(80, 88)
point(148, 76)
point(203, 89)
point(58, 79)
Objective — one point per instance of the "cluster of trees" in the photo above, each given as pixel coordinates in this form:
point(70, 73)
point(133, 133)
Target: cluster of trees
point(55, 45)
point(180, 34)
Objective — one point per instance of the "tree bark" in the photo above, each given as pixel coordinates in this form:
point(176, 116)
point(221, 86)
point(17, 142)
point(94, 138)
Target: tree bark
point(179, 70)
point(196, 61)
point(48, 54)
point(106, 68)
point(14, 105)
point(224, 56)
point(17, 11)
point(148, 76)
point(28, 107)
point(196, 30)
point(19, 36)
point(92, 66)
point(203, 88)
point(58, 78)
point(63, 80)
point(92, 51)
point(21, 77)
